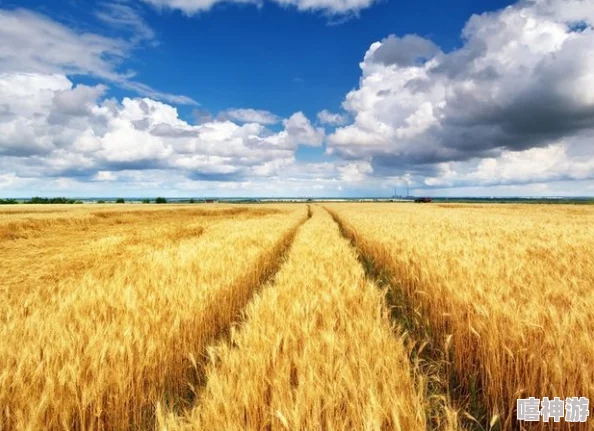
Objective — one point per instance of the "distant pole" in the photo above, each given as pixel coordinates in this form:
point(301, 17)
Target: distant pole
point(407, 191)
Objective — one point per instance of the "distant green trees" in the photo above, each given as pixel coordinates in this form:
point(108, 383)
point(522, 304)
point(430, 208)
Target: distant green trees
point(46, 201)
point(120, 201)
point(161, 200)
point(146, 201)
point(8, 201)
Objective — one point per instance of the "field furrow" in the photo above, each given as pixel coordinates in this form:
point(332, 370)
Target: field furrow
point(316, 351)
point(96, 347)
point(505, 291)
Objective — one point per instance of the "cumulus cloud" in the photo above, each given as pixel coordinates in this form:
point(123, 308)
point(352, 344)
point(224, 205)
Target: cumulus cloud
point(356, 171)
point(409, 50)
point(33, 43)
point(201, 116)
point(331, 119)
point(50, 128)
point(521, 88)
point(78, 100)
point(300, 131)
point(512, 107)
point(330, 7)
point(555, 162)
point(250, 116)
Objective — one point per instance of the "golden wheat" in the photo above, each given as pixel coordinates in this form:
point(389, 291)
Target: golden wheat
point(511, 289)
point(107, 312)
point(316, 352)
point(102, 316)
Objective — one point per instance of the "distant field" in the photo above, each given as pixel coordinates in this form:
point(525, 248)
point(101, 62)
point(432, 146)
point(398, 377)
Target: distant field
point(335, 316)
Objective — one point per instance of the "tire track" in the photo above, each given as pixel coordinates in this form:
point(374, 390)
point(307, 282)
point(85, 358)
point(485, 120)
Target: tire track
point(123, 341)
point(276, 257)
point(315, 352)
point(442, 390)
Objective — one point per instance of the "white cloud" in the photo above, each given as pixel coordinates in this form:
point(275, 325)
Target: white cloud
point(535, 165)
point(7, 180)
point(355, 171)
point(77, 100)
point(250, 116)
point(70, 139)
point(410, 50)
point(332, 119)
point(514, 106)
point(52, 129)
point(191, 7)
point(300, 131)
point(331, 7)
point(518, 93)
point(30, 42)
point(106, 176)
point(148, 91)
point(126, 18)
point(34, 43)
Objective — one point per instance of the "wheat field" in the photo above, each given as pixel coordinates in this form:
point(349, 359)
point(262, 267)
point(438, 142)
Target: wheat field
point(312, 352)
point(104, 313)
point(291, 316)
point(507, 291)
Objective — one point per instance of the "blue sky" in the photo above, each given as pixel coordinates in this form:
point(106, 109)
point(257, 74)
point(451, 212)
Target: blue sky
point(269, 57)
point(295, 97)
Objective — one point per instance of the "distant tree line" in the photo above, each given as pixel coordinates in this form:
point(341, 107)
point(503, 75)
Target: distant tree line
point(38, 200)
point(144, 201)
point(62, 200)
point(159, 200)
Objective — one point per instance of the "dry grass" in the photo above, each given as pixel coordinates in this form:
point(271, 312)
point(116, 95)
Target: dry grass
point(510, 287)
point(316, 352)
point(101, 317)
